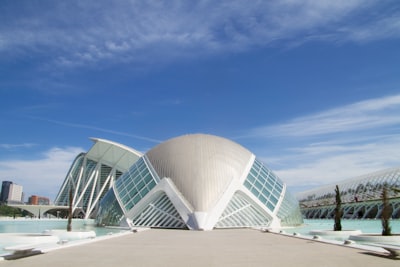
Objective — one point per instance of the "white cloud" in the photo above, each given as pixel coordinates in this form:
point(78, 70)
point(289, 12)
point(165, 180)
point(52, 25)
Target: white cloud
point(87, 32)
point(320, 165)
point(336, 144)
point(42, 176)
point(375, 113)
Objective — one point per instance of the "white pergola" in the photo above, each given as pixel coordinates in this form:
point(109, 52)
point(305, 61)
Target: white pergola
point(361, 196)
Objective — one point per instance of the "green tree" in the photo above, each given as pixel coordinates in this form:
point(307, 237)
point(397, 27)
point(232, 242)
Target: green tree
point(386, 213)
point(9, 211)
point(338, 210)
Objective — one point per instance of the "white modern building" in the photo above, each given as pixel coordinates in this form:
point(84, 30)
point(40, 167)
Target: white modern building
point(193, 181)
point(196, 181)
point(93, 173)
point(361, 196)
point(16, 193)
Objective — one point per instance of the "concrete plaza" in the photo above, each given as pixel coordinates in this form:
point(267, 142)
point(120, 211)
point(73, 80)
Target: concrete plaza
point(233, 247)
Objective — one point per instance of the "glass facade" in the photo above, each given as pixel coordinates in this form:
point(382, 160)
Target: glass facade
point(89, 172)
point(128, 190)
point(82, 185)
point(135, 184)
point(160, 213)
point(264, 185)
point(289, 211)
point(241, 213)
point(63, 196)
point(92, 174)
point(110, 212)
point(85, 175)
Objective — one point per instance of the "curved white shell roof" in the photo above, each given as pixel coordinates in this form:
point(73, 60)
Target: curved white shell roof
point(201, 166)
point(113, 154)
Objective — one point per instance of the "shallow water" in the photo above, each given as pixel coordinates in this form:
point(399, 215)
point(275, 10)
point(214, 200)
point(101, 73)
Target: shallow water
point(36, 226)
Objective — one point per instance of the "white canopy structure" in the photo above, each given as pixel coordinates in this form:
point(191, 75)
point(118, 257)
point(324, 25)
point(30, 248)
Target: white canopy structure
point(93, 173)
point(361, 196)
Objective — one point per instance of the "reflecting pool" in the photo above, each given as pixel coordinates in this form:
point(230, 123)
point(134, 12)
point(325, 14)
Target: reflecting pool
point(19, 231)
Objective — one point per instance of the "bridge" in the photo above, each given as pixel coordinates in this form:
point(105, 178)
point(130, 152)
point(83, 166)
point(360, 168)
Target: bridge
point(39, 211)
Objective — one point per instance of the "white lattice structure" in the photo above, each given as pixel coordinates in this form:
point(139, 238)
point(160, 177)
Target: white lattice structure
point(93, 173)
point(199, 182)
point(360, 196)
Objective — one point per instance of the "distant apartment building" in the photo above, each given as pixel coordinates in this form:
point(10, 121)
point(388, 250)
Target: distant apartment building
point(37, 200)
point(5, 189)
point(11, 192)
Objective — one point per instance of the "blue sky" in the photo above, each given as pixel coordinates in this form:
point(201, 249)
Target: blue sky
point(311, 87)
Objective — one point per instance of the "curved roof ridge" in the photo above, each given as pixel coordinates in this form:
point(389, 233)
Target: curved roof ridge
point(134, 151)
point(113, 154)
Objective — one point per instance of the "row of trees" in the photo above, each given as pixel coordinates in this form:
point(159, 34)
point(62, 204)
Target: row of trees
point(7, 211)
point(386, 211)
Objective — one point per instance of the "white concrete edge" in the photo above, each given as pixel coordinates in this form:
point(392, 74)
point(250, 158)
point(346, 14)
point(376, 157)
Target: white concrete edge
point(45, 248)
point(320, 239)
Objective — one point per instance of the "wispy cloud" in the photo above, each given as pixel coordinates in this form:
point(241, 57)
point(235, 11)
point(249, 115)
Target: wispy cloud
point(17, 146)
point(336, 144)
point(147, 31)
point(83, 126)
point(370, 114)
point(387, 25)
point(49, 170)
point(320, 165)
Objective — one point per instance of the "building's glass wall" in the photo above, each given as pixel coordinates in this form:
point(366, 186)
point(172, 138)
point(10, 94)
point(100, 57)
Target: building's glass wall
point(241, 213)
point(134, 184)
point(87, 178)
point(130, 188)
point(106, 171)
point(62, 198)
point(89, 172)
point(159, 213)
point(264, 185)
point(289, 211)
point(110, 212)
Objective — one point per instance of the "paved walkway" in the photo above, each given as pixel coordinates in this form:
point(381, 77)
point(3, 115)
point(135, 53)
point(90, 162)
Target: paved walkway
point(233, 247)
